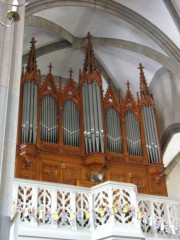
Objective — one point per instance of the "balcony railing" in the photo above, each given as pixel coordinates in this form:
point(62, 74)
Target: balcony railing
point(108, 209)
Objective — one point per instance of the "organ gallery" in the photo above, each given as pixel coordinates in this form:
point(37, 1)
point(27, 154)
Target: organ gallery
point(74, 134)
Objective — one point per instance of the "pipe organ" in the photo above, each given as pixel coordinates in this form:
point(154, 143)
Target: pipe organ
point(68, 133)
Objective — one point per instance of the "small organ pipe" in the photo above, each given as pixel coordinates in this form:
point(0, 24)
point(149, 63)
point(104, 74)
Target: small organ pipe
point(75, 125)
point(35, 115)
point(85, 121)
point(64, 125)
point(127, 131)
point(70, 124)
point(31, 112)
point(53, 121)
point(24, 113)
point(91, 115)
point(55, 124)
point(131, 132)
point(113, 130)
point(27, 118)
point(97, 136)
point(87, 118)
point(151, 133)
point(100, 116)
point(110, 128)
point(45, 109)
point(145, 130)
point(135, 128)
point(148, 136)
point(156, 149)
point(42, 119)
point(146, 133)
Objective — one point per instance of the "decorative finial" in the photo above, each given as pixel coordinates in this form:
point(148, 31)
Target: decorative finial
point(89, 36)
point(140, 67)
point(128, 85)
point(33, 41)
point(70, 73)
point(50, 68)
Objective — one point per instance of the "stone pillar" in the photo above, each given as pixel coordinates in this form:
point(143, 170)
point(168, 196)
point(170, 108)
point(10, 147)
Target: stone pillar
point(10, 71)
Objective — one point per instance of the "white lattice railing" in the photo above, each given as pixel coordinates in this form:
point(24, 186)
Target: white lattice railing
point(160, 216)
point(49, 203)
point(108, 204)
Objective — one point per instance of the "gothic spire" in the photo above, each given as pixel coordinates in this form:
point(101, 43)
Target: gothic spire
point(90, 61)
point(50, 68)
point(128, 85)
point(70, 73)
point(144, 89)
point(32, 63)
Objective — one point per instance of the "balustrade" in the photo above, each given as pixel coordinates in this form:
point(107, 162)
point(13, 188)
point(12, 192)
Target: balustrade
point(101, 210)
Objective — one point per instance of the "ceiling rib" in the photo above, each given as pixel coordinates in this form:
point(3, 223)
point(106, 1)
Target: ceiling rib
point(119, 11)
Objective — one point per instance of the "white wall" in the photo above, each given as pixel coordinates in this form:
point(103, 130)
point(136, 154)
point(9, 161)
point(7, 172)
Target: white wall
point(173, 182)
point(166, 91)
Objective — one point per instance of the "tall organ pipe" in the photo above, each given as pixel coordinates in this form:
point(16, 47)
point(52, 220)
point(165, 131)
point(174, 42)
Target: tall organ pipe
point(156, 134)
point(95, 111)
point(24, 113)
point(88, 119)
point(151, 134)
point(150, 131)
point(148, 135)
point(29, 114)
point(93, 118)
point(154, 143)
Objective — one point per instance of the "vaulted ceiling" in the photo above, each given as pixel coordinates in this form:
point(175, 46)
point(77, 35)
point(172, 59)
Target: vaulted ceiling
point(124, 33)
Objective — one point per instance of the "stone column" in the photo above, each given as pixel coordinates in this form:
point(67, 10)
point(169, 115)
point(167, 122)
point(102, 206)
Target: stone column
point(10, 71)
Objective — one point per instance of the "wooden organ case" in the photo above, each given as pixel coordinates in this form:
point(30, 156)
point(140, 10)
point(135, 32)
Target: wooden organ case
point(75, 135)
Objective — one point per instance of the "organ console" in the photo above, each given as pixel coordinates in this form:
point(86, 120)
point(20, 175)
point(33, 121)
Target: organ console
point(72, 134)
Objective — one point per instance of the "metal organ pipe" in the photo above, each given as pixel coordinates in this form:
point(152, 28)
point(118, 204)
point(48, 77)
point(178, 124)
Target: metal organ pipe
point(148, 130)
point(113, 130)
point(24, 113)
point(156, 134)
point(93, 127)
point(96, 126)
point(88, 118)
point(133, 135)
point(29, 114)
point(127, 132)
point(70, 124)
point(151, 134)
point(101, 131)
point(48, 119)
point(146, 133)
